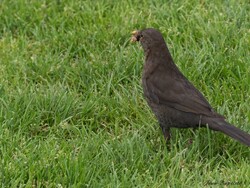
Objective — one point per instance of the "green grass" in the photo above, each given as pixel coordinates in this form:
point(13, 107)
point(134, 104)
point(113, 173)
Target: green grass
point(72, 112)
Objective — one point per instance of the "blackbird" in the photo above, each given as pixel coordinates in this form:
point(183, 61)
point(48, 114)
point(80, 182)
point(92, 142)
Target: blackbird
point(174, 100)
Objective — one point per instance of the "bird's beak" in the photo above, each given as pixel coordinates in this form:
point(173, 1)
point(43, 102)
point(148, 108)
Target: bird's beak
point(134, 36)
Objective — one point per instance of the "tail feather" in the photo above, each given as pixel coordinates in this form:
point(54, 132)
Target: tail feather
point(230, 130)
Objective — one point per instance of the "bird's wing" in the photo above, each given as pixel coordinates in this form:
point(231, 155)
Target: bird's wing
point(175, 91)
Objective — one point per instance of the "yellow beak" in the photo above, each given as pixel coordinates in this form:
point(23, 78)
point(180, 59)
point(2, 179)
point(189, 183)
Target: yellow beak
point(133, 38)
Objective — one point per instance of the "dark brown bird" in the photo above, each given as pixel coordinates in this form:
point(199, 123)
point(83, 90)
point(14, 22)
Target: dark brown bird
point(173, 99)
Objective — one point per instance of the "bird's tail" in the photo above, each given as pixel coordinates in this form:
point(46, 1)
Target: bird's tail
point(230, 130)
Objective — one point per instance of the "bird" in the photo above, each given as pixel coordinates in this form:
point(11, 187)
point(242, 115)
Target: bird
point(173, 99)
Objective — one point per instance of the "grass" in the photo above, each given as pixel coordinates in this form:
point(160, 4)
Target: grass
point(72, 112)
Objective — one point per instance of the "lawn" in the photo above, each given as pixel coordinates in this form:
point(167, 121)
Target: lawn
point(72, 112)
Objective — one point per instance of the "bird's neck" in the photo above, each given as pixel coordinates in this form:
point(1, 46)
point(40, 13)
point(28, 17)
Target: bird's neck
point(158, 56)
point(158, 52)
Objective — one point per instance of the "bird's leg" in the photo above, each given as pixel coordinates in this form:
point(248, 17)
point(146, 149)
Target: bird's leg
point(166, 133)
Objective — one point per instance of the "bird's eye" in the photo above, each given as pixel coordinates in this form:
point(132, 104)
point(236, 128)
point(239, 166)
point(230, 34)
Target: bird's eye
point(139, 37)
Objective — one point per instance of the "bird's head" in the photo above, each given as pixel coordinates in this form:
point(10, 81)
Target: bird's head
point(149, 38)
